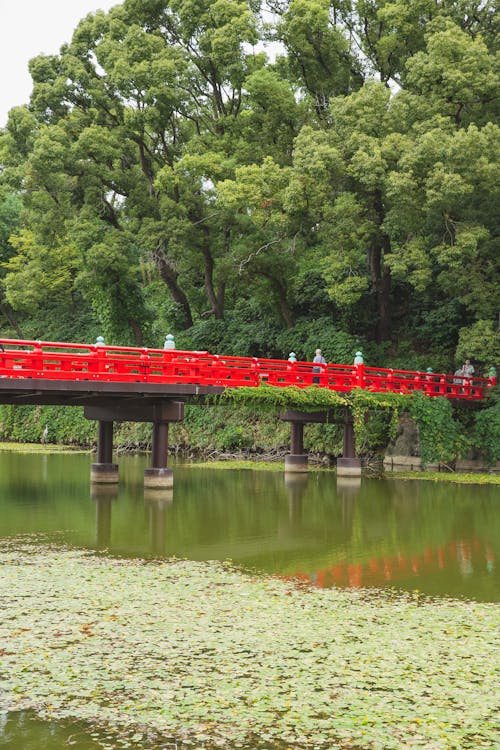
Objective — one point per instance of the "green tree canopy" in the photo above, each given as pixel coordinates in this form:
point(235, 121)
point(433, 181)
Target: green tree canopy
point(172, 172)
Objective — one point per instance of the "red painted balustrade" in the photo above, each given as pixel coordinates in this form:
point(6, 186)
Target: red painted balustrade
point(50, 360)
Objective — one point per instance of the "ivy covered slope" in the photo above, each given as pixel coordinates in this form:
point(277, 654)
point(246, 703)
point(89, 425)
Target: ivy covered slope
point(443, 434)
point(202, 653)
point(169, 176)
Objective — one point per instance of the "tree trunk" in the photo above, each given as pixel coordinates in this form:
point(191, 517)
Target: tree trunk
point(283, 306)
point(146, 167)
point(136, 330)
point(169, 275)
point(381, 282)
point(380, 274)
point(216, 299)
point(6, 311)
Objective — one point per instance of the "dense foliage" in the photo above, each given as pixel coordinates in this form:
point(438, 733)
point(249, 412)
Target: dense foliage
point(261, 179)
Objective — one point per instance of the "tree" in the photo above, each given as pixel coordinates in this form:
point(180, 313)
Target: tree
point(10, 217)
point(174, 174)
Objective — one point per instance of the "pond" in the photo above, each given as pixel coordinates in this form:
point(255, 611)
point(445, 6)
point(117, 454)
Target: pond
point(438, 538)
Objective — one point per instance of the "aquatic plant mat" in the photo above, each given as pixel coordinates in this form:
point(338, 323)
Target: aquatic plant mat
point(208, 657)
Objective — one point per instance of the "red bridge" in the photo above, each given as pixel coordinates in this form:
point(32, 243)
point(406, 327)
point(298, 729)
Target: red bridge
point(127, 384)
point(50, 361)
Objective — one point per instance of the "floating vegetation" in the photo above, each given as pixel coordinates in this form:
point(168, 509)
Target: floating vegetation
point(444, 476)
point(40, 448)
point(216, 658)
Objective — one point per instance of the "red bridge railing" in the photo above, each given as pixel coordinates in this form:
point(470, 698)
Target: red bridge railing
point(121, 364)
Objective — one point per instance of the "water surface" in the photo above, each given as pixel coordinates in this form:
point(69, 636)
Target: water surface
point(442, 539)
point(439, 538)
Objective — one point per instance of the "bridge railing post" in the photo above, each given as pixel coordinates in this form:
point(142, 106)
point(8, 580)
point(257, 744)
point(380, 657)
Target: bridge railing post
point(37, 359)
point(359, 376)
point(144, 365)
point(96, 357)
point(390, 381)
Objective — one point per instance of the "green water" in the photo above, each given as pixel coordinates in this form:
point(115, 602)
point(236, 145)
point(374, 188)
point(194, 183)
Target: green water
point(442, 539)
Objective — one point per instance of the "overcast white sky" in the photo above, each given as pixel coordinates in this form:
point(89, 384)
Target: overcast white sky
point(31, 27)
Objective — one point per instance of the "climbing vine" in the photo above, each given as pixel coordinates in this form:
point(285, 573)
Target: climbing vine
point(376, 418)
point(440, 435)
point(486, 432)
point(364, 403)
point(270, 398)
point(441, 438)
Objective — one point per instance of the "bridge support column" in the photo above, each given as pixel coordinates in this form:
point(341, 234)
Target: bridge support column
point(349, 465)
point(296, 462)
point(159, 476)
point(104, 471)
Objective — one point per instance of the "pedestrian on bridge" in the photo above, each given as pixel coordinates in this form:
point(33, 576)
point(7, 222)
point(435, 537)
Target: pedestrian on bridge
point(318, 360)
point(468, 369)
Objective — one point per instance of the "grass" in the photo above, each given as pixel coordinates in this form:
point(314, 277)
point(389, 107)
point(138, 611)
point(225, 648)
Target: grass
point(441, 476)
point(40, 448)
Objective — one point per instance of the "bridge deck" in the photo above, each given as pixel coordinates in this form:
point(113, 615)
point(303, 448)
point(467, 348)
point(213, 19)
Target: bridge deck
point(45, 392)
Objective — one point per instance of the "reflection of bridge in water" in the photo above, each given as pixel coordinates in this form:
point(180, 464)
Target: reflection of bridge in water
point(341, 556)
point(464, 555)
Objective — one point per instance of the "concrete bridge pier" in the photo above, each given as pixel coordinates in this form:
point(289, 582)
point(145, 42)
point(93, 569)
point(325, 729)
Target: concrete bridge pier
point(159, 412)
point(348, 465)
point(159, 476)
point(104, 471)
point(296, 462)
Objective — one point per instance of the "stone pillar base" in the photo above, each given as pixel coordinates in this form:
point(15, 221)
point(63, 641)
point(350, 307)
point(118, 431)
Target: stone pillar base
point(348, 467)
point(296, 464)
point(104, 473)
point(158, 478)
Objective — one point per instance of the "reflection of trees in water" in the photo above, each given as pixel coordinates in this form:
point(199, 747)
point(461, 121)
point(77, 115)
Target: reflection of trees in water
point(41, 475)
point(444, 511)
point(262, 519)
